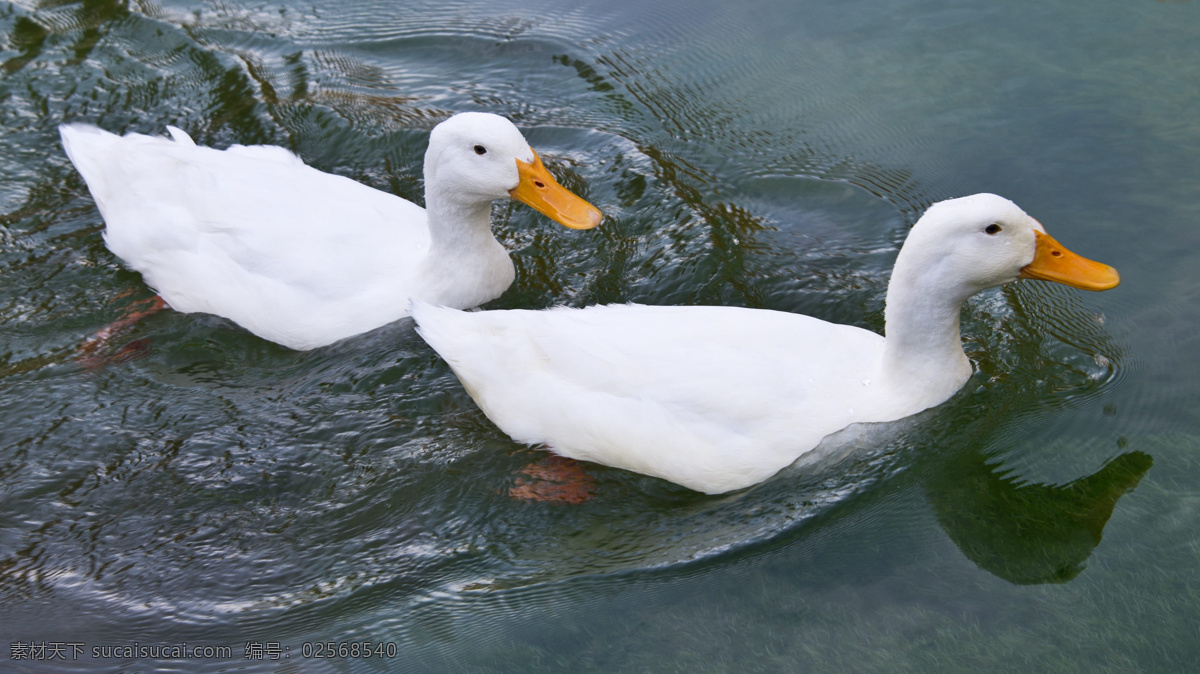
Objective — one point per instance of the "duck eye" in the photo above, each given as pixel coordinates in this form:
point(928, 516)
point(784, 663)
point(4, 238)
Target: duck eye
point(992, 229)
point(479, 149)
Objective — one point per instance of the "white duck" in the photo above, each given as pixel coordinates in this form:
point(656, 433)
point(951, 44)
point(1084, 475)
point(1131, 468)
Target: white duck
point(721, 398)
point(305, 258)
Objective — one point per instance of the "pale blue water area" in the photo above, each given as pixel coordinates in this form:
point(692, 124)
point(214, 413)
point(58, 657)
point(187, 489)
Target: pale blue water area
point(215, 489)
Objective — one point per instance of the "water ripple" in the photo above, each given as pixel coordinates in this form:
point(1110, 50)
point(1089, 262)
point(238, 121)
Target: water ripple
point(216, 485)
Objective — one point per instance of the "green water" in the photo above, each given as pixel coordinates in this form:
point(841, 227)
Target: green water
point(211, 488)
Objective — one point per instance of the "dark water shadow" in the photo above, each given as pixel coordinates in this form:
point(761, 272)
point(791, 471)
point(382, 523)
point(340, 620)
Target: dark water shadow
point(1028, 533)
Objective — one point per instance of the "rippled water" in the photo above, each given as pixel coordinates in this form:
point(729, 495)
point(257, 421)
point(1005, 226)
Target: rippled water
point(208, 487)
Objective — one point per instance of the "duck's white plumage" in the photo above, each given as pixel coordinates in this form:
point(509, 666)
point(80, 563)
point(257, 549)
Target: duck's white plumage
point(305, 258)
point(708, 397)
point(720, 398)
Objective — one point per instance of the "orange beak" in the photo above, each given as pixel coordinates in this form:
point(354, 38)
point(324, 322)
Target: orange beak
point(540, 190)
point(1053, 262)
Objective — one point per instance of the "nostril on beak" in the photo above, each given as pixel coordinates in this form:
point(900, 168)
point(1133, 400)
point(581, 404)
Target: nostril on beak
point(540, 184)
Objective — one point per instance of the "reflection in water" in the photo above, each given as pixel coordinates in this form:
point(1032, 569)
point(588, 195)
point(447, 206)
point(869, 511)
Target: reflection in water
point(29, 35)
point(1029, 533)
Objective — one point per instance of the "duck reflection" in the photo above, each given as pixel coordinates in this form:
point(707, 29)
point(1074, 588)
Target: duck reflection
point(1029, 533)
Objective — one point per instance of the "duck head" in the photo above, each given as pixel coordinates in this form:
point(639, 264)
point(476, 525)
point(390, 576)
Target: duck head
point(481, 157)
point(958, 248)
point(984, 240)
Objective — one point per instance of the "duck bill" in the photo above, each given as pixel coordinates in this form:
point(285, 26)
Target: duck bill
point(540, 190)
point(1053, 262)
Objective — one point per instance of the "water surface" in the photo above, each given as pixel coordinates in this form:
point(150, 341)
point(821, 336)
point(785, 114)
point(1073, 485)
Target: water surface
point(218, 490)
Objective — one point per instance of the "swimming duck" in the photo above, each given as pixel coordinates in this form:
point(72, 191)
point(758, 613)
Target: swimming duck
point(305, 258)
point(721, 398)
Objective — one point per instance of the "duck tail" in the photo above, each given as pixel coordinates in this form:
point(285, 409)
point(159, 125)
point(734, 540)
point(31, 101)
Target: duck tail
point(437, 325)
point(88, 148)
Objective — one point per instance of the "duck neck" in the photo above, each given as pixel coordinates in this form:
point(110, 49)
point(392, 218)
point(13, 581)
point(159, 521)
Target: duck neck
point(465, 266)
point(923, 354)
point(456, 225)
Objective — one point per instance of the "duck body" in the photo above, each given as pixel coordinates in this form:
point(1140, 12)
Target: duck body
point(301, 257)
point(713, 398)
point(721, 398)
